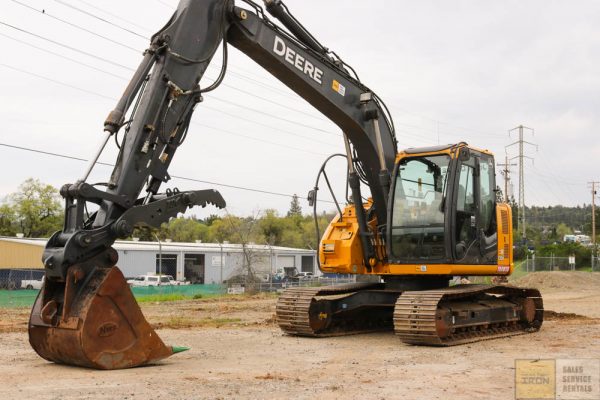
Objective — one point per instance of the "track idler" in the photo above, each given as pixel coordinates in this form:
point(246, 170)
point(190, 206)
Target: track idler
point(93, 321)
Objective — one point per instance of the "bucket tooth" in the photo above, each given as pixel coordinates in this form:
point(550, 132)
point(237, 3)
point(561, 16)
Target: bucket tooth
point(100, 325)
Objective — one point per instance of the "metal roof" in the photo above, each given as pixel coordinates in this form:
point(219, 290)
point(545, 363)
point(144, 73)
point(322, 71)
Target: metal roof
point(131, 245)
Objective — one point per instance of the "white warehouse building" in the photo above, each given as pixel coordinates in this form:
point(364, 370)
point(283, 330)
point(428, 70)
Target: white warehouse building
point(194, 262)
point(211, 262)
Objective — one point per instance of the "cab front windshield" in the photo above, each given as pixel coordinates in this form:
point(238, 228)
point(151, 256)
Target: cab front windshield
point(418, 209)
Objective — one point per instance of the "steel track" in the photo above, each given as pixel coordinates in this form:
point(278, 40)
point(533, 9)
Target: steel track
point(415, 315)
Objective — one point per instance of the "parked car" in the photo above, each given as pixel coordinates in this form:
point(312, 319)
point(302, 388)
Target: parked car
point(32, 283)
point(151, 280)
point(176, 283)
point(301, 276)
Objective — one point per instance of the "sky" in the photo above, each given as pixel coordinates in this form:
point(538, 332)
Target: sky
point(449, 71)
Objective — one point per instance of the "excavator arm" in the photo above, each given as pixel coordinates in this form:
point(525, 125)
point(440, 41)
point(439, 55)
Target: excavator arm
point(166, 86)
point(85, 315)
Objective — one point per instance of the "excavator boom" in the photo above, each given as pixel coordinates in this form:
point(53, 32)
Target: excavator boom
point(85, 315)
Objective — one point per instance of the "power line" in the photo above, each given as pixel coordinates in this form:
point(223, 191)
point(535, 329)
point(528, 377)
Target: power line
point(418, 137)
point(66, 46)
point(114, 15)
point(64, 3)
point(167, 5)
point(274, 102)
point(28, 149)
point(207, 107)
point(128, 68)
point(143, 36)
point(566, 181)
point(57, 81)
point(43, 12)
point(63, 56)
point(270, 115)
point(438, 121)
point(132, 69)
point(112, 98)
point(233, 73)
point(258, 139)
point(268, 126)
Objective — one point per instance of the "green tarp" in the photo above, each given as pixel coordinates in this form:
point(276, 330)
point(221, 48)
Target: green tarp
point(25, 298)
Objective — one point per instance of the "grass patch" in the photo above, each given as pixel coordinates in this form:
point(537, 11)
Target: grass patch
point(187, 322)
point(165, 297)
point(151, 298)
point(519, 270)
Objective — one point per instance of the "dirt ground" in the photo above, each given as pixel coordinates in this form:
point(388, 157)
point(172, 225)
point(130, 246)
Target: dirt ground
point(237, 351)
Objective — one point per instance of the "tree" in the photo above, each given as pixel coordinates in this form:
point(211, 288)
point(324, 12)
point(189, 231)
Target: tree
point(208, 221)
point(272, 227)
point(562, 230)
point(223, 229)
point(246, 232)
point(37, 209)
point(184, 230)
point(7, 220)
point(295, 209)
point(309, 234)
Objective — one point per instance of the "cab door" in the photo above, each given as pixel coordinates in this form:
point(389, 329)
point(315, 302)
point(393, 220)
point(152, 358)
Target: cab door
point(474, 236)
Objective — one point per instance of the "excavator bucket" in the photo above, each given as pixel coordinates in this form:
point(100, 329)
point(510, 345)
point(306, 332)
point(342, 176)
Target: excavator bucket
point(93, 322)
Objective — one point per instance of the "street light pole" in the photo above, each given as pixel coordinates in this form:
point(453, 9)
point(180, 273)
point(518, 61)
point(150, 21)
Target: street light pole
point(159, 259)
point(221, 280)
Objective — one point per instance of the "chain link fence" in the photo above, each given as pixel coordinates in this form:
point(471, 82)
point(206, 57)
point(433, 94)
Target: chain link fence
point(279, 286)
point(20, 278)
point(534, 264)
point(20, 287)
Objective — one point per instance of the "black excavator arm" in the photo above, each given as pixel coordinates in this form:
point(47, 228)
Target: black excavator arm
point(160, 100)
point(85, 315)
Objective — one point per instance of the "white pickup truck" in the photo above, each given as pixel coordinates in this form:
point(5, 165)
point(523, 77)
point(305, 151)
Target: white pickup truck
point(32, 283)
point(154, 280)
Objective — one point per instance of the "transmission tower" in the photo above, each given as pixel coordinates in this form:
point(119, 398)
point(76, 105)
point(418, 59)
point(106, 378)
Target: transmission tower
point(506, 174)
point(521, 157)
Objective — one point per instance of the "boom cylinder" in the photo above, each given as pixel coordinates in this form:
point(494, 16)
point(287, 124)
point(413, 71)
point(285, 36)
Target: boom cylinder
point(276, 9)
point(367, 247)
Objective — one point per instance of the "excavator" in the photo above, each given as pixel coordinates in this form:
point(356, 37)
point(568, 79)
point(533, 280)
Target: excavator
point(426, 215)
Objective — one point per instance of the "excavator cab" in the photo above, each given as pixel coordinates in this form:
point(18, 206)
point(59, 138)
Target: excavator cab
point(443, 207)
point(443, 220)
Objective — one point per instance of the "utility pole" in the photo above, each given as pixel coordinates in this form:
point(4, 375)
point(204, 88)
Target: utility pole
point(521, 158)
point(594, 249)
point(593, 187)
point(506, 174)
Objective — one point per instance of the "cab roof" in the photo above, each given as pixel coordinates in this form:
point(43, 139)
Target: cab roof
point(440, 148)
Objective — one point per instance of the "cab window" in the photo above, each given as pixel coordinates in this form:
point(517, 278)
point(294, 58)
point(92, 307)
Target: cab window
point(466, 208)
point(475, 239)
point(418, 210)
point(487, 204)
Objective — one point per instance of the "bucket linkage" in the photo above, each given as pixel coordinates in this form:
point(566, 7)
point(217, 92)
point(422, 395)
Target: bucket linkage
point(86, 314)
